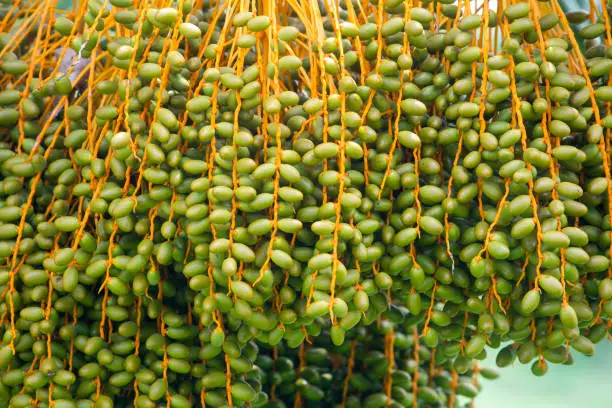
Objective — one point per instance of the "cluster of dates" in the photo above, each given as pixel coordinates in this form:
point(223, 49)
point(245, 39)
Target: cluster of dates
point(298, 203)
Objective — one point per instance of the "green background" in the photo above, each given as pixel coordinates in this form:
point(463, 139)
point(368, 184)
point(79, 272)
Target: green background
point(64, 4)
point(586, 384)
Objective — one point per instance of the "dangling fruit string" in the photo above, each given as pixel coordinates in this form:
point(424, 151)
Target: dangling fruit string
point(429, 312)
point(475, 371)
point(389, 353)
point(349, 372)
point(236, 127)
point(137, 341)
point(398, 114)
point(415, 376)
point(517, 115)
point(316, 23)
point(273, 58)
point(341, 161)
point(454, 383)
point(49, 302)
point(546, 118)
point(297, 402)
point(46, 6)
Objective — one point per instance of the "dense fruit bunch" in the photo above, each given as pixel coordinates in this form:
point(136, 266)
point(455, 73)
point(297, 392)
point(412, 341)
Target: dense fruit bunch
point(298, 203)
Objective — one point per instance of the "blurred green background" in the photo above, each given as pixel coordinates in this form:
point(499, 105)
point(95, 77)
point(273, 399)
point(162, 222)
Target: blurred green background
point(586, 384)
point(64, 4)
